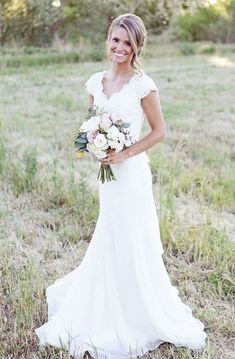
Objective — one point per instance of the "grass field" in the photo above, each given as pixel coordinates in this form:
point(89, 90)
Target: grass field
point(49, 200)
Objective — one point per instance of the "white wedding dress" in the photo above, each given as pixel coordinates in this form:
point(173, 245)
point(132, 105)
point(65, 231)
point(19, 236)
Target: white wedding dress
point(119, 302)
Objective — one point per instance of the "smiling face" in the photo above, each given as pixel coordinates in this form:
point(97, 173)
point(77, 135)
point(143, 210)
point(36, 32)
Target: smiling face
point(120, 49)
point(126, 40)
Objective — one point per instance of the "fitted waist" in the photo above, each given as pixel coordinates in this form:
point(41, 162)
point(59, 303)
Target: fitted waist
point(140, 157)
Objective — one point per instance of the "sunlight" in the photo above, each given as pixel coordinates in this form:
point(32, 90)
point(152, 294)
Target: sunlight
point(56, 3)
point(208, 3)
point(221, 61)
point(16, 6)
point(212, 2)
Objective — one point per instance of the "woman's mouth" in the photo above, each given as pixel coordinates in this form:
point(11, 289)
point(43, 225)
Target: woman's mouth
point(119, 54)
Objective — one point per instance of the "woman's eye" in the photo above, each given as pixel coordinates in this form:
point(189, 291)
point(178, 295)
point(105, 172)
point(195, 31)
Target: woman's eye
point(128, 44)
point(115, 40)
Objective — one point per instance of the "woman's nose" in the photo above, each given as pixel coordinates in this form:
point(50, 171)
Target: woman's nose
point(119, 46)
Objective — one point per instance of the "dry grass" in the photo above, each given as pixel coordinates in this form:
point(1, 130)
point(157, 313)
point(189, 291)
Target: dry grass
point(49, 202)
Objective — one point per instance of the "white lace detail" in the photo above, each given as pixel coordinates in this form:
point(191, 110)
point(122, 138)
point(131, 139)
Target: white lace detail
point(144, 84)
point(92, 83)
point(126, 102)
point(147, 85)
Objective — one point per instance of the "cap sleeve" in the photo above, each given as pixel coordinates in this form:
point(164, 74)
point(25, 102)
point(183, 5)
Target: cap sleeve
point(146, 86)
point(92, 83)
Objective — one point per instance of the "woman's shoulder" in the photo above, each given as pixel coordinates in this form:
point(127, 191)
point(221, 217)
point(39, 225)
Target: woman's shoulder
point(145, 84)
point(143, 77)
point(93, 81)
point(96, 75)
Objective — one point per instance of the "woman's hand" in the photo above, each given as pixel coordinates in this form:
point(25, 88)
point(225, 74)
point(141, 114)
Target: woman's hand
point(114, 157)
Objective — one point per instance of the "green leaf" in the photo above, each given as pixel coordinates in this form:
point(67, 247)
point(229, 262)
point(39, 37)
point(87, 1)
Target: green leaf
point(83, 134)
point(126, 124)
point(81, 140)
point(80, 146)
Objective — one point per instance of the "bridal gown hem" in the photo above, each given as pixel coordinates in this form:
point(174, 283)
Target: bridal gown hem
point(119, 302)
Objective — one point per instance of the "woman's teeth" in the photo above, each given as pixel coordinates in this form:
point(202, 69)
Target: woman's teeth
point(119, 55)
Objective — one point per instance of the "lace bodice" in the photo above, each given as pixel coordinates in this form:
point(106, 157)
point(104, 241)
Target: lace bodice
point(126, 102)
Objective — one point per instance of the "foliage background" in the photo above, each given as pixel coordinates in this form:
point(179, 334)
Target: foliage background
point(39, 22)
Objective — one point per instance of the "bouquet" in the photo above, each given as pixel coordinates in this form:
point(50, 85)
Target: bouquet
point(100, 132)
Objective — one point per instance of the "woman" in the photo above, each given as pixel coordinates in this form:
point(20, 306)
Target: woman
point(119, 302)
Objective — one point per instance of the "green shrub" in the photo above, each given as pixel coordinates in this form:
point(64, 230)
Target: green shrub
point(187, 49)
point(206, 48)
point(28, 22)
point(38, 22)
point(97, 55)
point(213, 23)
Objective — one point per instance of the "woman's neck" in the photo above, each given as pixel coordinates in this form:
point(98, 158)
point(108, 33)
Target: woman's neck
point(121, 70)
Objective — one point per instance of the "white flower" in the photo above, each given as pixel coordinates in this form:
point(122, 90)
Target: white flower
point(115, 118)
point(100, 154)
point(91, 147)
point(117, 146)
point(105, 122)
point(127, 142)
point(96, 151)
point(91, 125)
point(112, 143)
point(121, 137)
point(113, 133)
point(101, 142)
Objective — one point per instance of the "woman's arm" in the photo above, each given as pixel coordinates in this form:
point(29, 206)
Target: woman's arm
point(152, 108)
point(90, 100)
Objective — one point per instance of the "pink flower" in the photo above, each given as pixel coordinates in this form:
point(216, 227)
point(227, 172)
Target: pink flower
point(105, 122)
point(91, 135)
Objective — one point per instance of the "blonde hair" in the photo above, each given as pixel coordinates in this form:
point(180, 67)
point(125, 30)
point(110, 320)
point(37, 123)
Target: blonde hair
point(137, 35)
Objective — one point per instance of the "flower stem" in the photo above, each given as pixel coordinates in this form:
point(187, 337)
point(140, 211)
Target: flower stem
point(106, 174)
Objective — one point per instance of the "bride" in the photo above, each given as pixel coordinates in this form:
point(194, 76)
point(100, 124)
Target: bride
point(119, 302)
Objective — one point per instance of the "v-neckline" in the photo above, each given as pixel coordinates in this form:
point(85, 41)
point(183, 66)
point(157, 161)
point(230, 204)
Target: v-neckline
point(115, 92)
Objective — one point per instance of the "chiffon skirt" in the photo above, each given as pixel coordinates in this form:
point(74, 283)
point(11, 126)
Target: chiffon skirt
point(119, 302)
